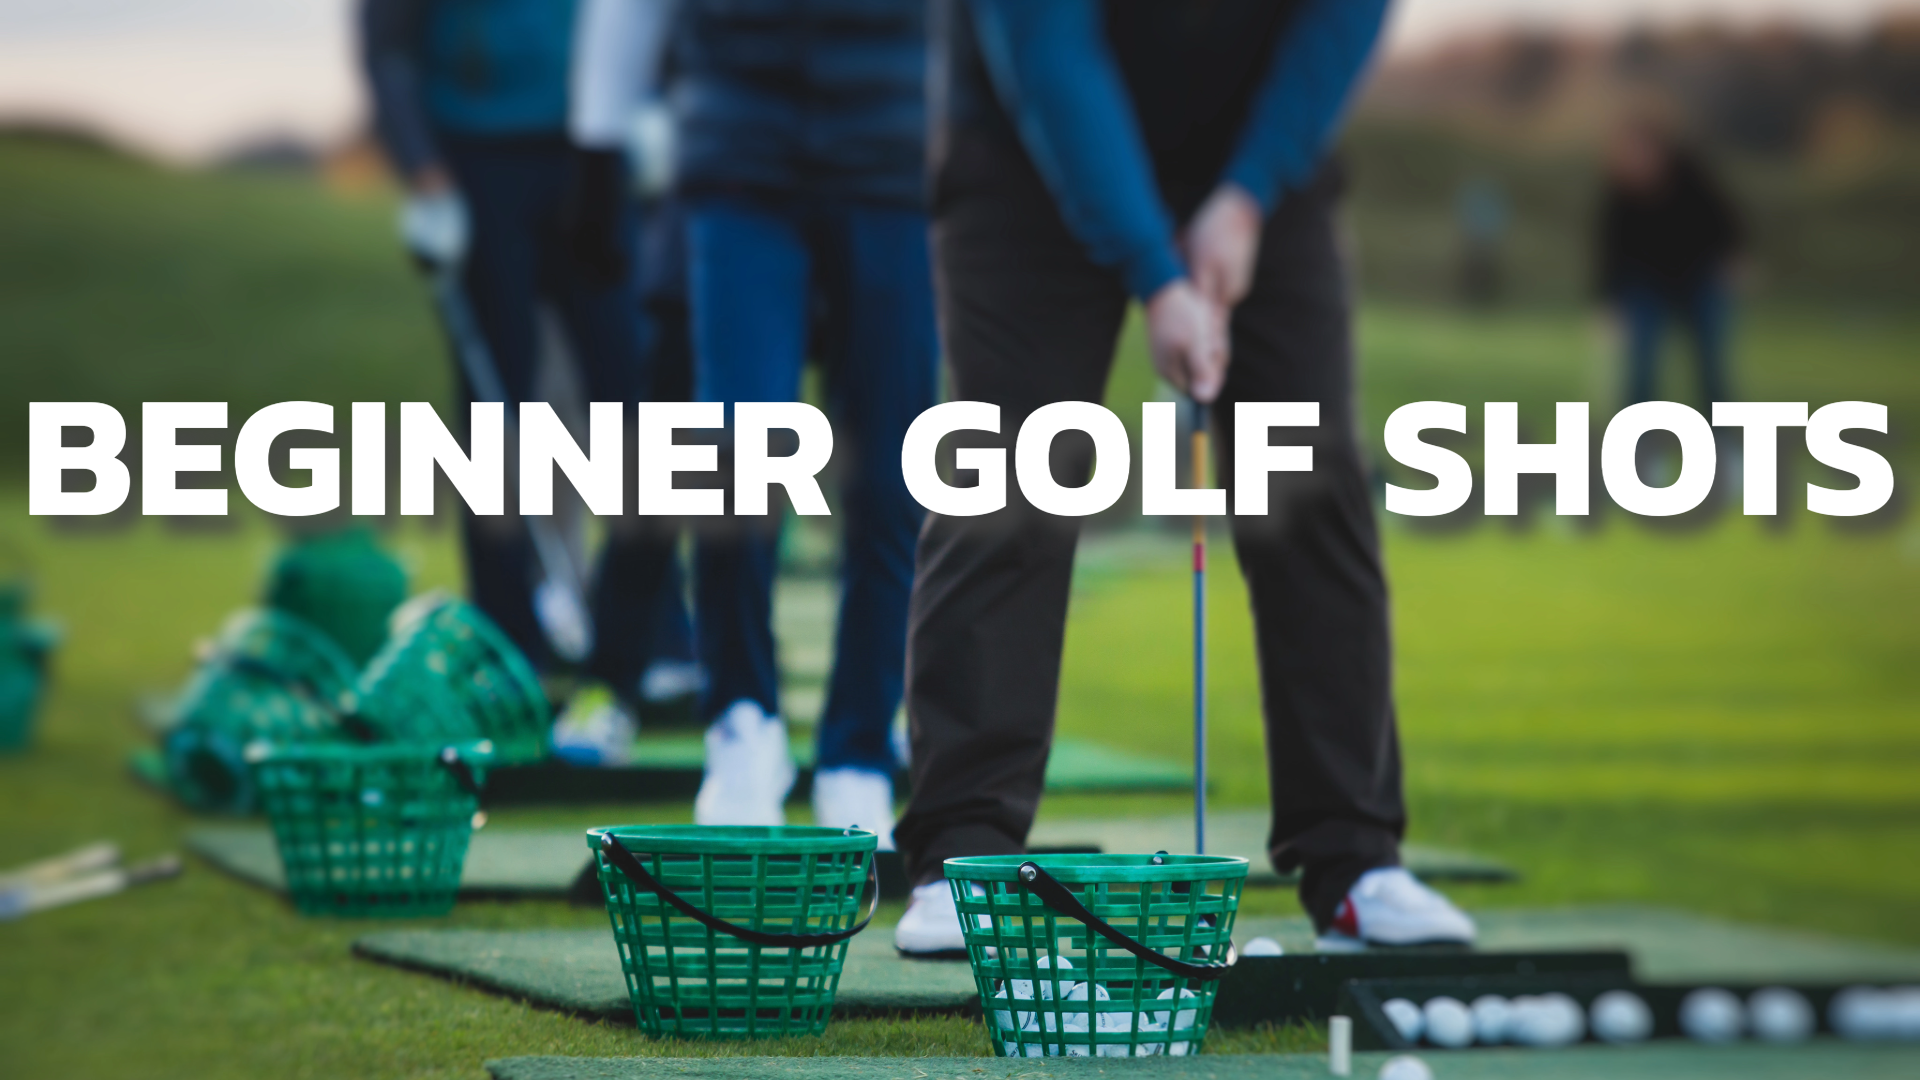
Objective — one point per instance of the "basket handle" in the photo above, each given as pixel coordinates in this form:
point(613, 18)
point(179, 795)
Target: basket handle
point(451, 761)
point(1061, 899)
point(623, 860)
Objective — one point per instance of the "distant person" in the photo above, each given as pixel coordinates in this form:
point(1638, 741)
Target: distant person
point(801, 170)
point(1667, 241)
point(1481, 212)
point(470, 101)
point(1093, 155)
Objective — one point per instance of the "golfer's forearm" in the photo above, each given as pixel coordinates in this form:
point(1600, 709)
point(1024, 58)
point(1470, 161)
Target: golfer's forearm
point(389, 31)
point(618, 48)
point(1304, 96)
point(1053, 72)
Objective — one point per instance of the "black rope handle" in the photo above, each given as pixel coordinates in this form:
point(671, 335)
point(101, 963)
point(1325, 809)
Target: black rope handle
point(451, 760)
point(623, 860)
point(1061, 899)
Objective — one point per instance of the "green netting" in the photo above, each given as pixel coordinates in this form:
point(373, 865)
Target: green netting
point(685, 979)
point(378, 831)
point(448, 673)
point(343, 583)
point(269, 675)
point(1049, 986)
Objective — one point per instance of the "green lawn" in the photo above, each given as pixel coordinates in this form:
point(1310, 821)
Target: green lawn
point(1722, 719)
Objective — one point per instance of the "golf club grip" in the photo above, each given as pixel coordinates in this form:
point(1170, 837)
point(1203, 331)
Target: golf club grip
point(624, 861)
point(1061, 899)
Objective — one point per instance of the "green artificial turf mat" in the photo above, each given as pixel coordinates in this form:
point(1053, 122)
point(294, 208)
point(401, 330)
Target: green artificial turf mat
point(1667, 945)
point(1243, 833)
point(1663, 1061)
point(579, 970)
point(500, 862)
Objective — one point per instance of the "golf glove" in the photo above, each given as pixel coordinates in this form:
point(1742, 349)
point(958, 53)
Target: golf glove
point(435, 228)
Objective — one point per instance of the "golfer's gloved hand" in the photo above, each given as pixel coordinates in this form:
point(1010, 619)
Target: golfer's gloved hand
point(595, 199)
point(1187, 335)
point(435, 228)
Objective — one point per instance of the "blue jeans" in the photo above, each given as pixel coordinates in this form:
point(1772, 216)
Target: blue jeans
point(515, 192)
point(1702, 307)
point(770, 285)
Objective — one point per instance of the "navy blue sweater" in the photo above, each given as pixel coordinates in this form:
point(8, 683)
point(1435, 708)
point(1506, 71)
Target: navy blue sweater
point(817, 98)
point(1134, 110)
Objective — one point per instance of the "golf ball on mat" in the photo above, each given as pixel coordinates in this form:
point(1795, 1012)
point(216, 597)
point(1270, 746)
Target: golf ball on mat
point(1491, 1016)
point(1406, 1017)
point(1448, 1022)
point(1405, 1067)
point(1546, 1020)
point(1263, 946)
point(1862, 1012)
point(1780, 1015)
point(1619, 1016)
point(1712, 1015)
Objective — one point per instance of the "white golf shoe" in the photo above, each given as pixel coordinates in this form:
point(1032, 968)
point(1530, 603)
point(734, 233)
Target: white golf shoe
point(1389, 906)
point(749, 771)
point(930, 930)
point(855, 799)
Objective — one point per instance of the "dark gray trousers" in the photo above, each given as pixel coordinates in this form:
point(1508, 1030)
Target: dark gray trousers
point(1028, 320)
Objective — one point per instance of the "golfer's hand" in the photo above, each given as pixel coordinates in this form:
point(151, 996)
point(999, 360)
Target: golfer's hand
point(433, 221)
point(1222, 242)
point(1187, 335)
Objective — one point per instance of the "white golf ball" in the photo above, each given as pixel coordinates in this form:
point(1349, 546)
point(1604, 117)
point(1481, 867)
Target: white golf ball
point(1862, 1012)
point(1619, 1016)
point(1448, 1022)
point(1405, 1067)
point(1780, 1015)
point(1712, 1015)
point(1406, 1018)
point(1546, 1020)
point(1263, 946)
point(1491, 1016)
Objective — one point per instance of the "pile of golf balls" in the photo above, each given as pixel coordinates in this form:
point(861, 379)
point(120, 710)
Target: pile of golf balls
point(1874, 1013)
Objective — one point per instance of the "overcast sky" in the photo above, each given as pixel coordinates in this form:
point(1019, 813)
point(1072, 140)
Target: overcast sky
point(187, 77)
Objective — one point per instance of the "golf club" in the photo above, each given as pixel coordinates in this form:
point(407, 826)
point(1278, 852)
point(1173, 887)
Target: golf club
point(559, 600)
point(1199, 451)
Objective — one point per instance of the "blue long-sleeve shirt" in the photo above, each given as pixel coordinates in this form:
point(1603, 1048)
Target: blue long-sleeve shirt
point(1087, 116)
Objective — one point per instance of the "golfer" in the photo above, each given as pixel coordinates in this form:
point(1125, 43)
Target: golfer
point(801, 169)
point(1094, 154)
point(470, 102)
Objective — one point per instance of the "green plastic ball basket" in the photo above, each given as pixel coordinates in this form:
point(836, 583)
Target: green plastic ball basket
point(733, 931)
point(269, 676)
point(446, 674)
point(21, 684)
point(1097, 955)
point(342, 583)
point(371, 831)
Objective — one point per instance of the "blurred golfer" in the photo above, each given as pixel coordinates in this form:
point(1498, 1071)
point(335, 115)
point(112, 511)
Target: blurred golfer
point(1667, 240)
point(1092, 154)
point(471, 105)
point(802, 140)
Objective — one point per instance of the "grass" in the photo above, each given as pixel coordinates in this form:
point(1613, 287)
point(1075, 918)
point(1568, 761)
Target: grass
point(1721, 719)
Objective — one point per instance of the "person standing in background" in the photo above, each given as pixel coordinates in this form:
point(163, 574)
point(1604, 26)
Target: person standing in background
point(1667, 238)
point(801, 127)
point(1093, 154)
point(470, 103)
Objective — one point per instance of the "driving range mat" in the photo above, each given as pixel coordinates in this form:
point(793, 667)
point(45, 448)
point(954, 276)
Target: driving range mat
point(1244, 833)
point(579, 970)
point(505, 863)
point(1663, 1062)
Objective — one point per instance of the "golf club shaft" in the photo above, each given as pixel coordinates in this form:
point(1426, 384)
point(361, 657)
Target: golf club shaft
point(1199, 637)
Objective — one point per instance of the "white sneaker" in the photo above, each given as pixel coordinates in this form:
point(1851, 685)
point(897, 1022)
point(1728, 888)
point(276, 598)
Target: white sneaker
point(594, 730)
point(1389, 906)
point(930, 930)
point(748, 769)
point(855, 799)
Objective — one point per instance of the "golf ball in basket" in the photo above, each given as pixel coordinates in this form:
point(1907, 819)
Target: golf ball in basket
point(1406, 1018)
point(1546, 1020)
point(1448, 1022)
point(1263, 946)
point(1491, 1016)
point(1405, 1067)
point(1780, 1015)
point(1619, 1016)
point(1712, 1015)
